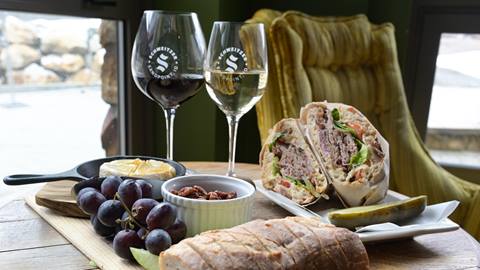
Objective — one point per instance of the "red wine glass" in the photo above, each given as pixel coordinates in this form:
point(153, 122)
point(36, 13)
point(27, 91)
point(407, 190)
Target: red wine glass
point(167, 61)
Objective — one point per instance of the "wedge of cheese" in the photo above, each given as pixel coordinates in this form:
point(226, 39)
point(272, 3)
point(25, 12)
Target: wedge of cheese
point(147, 169)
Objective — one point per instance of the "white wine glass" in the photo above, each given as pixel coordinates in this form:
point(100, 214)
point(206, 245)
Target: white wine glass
point(236, 67)
point(167, 61)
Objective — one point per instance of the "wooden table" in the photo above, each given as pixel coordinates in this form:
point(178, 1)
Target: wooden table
point(28, 242)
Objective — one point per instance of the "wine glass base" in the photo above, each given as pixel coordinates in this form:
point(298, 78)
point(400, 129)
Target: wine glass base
point(244, 178)
point(190, 172)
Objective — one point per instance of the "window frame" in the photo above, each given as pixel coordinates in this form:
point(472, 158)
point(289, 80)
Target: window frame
point(429, 19)
point(134, 114)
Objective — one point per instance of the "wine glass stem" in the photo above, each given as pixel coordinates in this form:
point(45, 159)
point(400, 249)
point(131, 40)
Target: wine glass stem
point(169, 119)
point(232, 135)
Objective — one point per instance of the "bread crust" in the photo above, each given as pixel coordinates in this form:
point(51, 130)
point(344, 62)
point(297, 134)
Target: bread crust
point(176, 260)
point(266, 244)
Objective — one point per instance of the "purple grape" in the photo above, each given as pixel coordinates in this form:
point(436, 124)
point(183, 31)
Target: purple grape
point(118, 228)
point(129, 192)
point(124, 224)
point(124, 240)
point(101, 229)
point(146, 188)
point(161, 216)
point(125, 215)
point(141, 208)
point(142, 233)
point(177, 231)
point(110, 186)
point(128, 221)
point(83, 190)
point(109, 212)
point(157, 241)
point(90, 201)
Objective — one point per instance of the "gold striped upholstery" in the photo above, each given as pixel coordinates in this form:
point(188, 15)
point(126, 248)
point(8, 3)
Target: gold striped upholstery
point(350, 60)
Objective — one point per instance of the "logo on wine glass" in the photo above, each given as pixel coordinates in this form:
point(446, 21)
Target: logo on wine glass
point(162, 63)
point(232, 59)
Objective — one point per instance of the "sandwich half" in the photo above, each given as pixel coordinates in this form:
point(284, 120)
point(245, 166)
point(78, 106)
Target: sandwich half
point(350, 149)
point(289, 166)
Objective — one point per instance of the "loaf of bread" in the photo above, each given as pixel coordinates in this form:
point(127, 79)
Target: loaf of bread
point(288, 243)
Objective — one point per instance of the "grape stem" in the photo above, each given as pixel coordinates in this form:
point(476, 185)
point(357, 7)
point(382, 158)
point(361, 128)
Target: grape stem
point(130, 213)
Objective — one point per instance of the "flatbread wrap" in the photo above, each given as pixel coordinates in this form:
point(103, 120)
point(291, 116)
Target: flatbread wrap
point(331, 146)
point(351, 150)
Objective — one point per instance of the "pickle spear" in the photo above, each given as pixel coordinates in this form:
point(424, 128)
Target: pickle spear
point(373, 214)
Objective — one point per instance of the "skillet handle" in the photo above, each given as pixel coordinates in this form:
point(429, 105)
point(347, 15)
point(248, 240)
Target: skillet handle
point(23, 179)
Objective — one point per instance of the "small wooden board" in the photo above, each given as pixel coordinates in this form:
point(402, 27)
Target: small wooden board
point(57, 196)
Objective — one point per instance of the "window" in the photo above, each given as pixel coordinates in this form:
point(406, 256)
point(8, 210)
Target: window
point(58, 91)
point(453, 127)
point(441, 82)
point(133, 116)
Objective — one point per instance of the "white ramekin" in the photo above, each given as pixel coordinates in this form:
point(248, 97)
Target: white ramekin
point(203, 215)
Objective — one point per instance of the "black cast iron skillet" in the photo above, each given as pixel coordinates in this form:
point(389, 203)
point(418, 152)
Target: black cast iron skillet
point(86, 173)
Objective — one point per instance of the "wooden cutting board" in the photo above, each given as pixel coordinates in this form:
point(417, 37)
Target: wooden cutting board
point(436, 251)
point(450, 250)
point(57, 196)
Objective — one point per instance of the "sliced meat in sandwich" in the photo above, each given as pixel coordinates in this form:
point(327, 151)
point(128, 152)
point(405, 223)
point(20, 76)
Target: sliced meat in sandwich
point(350, 150)
point(288, 165)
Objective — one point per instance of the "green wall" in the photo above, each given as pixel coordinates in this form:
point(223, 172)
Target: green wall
point(200, 128)
point(398, 13)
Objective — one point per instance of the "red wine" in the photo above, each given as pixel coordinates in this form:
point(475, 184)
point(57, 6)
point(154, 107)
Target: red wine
point(170, 93)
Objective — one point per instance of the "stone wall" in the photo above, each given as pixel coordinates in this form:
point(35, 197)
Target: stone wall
point(110, 128)
point(456, 140)
point(48, 51)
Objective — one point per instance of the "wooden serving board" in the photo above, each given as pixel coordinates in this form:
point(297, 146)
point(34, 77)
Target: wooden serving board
point(450, 250)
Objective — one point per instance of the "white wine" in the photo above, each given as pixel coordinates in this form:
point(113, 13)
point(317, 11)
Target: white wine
point(235, 93)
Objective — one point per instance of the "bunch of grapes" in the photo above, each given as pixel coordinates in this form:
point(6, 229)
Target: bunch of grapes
point(124, 210)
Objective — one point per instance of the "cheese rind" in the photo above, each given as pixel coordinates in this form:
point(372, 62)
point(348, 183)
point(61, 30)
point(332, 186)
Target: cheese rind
point(147, 169)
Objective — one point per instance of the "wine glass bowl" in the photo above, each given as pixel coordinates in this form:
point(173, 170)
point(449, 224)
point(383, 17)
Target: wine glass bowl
point(167, 61)
point(236, 70)
point(238, 92)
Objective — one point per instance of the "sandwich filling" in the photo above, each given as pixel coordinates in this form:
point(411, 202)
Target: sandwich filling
point(343, 143)
point(294, 166)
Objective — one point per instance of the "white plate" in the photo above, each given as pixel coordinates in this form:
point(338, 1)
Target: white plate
point(392, 232)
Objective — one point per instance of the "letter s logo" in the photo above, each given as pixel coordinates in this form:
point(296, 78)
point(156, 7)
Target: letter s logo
point(231, 63)
point(161, 61)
